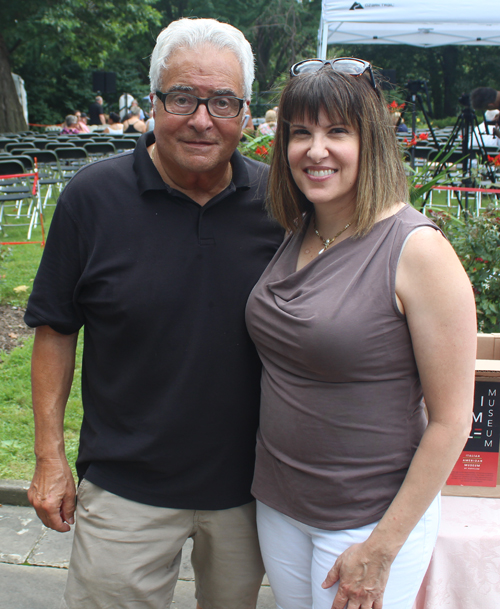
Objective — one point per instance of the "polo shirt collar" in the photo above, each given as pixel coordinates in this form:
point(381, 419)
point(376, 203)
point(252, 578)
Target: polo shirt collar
point(148, 177)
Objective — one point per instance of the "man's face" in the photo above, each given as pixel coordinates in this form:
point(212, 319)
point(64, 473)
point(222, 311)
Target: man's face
point(198, 143)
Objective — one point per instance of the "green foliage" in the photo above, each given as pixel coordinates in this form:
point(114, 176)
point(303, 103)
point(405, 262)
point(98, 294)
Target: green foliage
point(56, 45)
point(476, 240)
point(422, 180)
point(258, 147)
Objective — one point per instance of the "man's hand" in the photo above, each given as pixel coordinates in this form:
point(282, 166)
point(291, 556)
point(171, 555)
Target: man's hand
point(52, 494)
point(362, 579)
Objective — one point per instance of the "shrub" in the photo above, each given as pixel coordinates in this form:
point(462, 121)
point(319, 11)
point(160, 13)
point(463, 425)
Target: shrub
point(476, 240)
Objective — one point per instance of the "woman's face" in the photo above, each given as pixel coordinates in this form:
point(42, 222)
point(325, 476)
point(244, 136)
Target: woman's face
point(324, 160)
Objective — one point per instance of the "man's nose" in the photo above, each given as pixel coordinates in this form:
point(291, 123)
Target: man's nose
point(201, 119)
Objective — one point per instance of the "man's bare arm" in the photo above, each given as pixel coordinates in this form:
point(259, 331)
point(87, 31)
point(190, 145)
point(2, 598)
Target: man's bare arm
point(52, 490)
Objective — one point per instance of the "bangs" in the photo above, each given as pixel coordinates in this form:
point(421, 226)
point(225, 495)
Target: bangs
point(324, 90)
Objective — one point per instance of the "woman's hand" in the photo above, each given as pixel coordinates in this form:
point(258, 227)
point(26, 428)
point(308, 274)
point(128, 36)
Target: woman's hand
point(362, 577)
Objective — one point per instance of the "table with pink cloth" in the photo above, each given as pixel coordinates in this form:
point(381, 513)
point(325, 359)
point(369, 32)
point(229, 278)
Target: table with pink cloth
point(465, 568)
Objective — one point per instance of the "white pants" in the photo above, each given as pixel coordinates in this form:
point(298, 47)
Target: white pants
point(298, 557)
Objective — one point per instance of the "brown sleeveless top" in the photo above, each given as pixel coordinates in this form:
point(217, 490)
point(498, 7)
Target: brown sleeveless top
point(341, 411)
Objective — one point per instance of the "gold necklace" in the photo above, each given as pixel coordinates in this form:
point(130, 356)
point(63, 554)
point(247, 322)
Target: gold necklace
point(328, 242)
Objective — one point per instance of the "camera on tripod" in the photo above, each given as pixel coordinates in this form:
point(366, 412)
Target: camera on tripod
point(415, 86)
point(464, 100)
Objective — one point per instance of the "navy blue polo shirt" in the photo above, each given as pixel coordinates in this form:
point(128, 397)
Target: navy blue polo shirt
point(170, 378)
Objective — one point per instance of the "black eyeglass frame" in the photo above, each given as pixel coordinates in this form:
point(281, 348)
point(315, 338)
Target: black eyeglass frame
point(199, 100)
point(331, 62)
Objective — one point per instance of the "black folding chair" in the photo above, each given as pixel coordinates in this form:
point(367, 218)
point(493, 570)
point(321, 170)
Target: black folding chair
point(123, 144)
point(49, 174)
point(13, 192)
point(71, 159)
point(57, 144)
point(19, 145)
point(100, 149)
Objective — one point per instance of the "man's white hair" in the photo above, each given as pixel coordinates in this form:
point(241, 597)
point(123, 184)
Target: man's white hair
point(192, 33)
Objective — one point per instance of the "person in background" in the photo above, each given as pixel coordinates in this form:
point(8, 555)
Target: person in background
point(363, 312)
point(96, 112)
point(70, 125)
point(134, 123)
point(487, 132)
point(114, 125)
point(248, 126)
point(135, 104)
point(269, 126)
point(485, 98)
point(398, 122)
point(82, 122)
point(150, 123)
point(154, 252)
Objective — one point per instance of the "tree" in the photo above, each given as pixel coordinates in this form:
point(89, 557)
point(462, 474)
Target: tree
point(49, 38)
point(11, 112)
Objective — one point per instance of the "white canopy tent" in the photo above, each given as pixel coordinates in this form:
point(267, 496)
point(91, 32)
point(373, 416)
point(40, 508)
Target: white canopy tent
point(426, 23)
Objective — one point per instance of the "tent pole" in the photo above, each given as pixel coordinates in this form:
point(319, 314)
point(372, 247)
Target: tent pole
point(324, 41)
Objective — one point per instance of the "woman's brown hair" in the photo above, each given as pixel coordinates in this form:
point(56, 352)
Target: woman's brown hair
point(353, 101)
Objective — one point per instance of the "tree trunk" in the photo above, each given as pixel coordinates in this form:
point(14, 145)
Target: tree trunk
point(11, 112)
point(450, 69)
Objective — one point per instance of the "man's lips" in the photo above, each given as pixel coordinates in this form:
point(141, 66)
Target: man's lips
point(199, 143)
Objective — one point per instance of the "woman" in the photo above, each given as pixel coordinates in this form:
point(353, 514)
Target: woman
point(269, 126)
point(364, 309)
point(70, 125)
point(114, 125)
point(134, 123)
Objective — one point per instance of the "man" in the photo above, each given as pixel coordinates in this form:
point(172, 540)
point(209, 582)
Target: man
point(155, 252)
point(485, 98)
point(487, 131)
point(96, 112)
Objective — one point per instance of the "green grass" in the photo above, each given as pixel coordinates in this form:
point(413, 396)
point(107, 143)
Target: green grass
point(17, 460)
point(18, 266)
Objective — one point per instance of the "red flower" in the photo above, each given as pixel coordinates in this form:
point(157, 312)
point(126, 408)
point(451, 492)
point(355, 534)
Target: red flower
point(395, 107)
point(478, 259)
point(423, 136)
point(261, 150)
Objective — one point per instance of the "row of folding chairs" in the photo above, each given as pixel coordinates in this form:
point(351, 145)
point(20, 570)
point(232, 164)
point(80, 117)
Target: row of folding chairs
point(20, 201)
point(107, 146)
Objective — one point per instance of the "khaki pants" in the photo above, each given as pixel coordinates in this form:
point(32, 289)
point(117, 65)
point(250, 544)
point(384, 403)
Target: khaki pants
point(127, 555)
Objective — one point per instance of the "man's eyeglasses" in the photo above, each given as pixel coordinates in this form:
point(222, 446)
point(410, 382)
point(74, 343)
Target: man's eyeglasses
point(346, 65)
point(184, 104)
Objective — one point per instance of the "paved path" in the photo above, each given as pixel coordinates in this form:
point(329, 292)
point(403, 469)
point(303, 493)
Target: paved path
point(34, 562)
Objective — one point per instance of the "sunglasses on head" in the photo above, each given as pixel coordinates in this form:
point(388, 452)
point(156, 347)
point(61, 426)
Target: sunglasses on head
point(345, 65)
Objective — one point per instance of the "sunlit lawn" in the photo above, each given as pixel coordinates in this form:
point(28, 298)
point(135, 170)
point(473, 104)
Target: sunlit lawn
point(18, 265)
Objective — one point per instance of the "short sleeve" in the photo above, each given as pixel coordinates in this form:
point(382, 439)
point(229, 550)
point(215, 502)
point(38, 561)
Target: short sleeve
point(53, 299)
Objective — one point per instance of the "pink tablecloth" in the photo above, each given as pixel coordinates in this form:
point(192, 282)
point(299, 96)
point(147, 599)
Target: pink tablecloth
point(465, 568)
